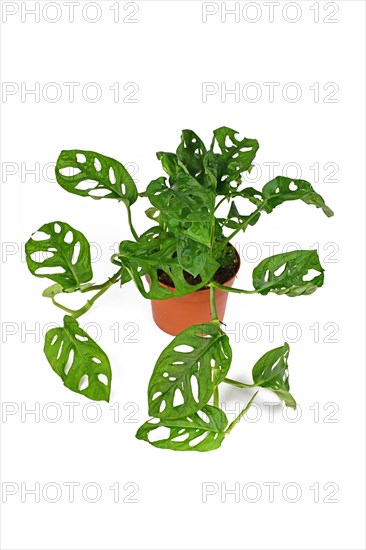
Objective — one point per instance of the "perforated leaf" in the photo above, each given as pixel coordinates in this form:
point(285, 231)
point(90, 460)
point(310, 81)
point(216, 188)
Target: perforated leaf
point(157, 252)
point(170, 163)
point(186, 207)
point(235, 219)
point(285, 273)
point(282, 189)
point(188, 370)
point(81, 364)
point(198, 432)
point(91, 174)
point(192, 256)
point(271, 371)
point(60, 253)
point(190, 153)
point(236, 157)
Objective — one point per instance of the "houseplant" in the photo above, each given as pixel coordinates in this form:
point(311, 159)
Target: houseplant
point(186, 251)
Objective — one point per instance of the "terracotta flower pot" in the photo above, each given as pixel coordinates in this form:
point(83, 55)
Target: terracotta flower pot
point(175, 314)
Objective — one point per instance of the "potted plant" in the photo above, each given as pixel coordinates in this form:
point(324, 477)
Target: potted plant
point(185, 264)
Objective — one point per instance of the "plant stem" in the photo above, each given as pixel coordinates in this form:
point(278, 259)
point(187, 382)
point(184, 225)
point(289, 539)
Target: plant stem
point(135, 235)
point(238, 384)
point(220, 202)
point(240, 416)
point(64, 308)
point(103, 288)
point(213, 304)
point(242, 226)
point(231, 289)
point(216, 397)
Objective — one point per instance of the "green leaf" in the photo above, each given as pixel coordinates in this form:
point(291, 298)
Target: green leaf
point(63, 249)
point(52, 290)
point(190, 153)
point(285, 273)
point(193, 433)
point(235, 219)
point(192, 256)
point(91, 174)
point(153, 214)
point(189, 369)
point(236, 157)
point(210, 167)
point(170, 163)
point(283, 189)
point(186, 207)
point(156, 252)
point(271, 371)
point(76, 358)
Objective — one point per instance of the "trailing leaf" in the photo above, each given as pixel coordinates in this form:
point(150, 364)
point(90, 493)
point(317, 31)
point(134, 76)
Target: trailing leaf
point(91, 174)
point(186, 207)
point(81, 364)
point(271, 371)
point(188, 370)
point(62, 255)
point(285, 273)
point(197, 432)
point(282, 189)
point(156, 252)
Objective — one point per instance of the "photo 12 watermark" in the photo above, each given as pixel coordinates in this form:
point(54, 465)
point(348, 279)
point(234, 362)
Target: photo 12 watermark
point(71, 492)
point(270, 12)
point(269, 92)
point(271, 492)
point(69, 92)
point(83, 11)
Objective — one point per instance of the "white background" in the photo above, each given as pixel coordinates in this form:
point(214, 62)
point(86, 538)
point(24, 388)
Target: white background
point(169, 53)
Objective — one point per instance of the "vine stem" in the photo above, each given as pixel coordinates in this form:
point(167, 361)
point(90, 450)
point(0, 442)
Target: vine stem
point(240, 416)
point(214, 318)
point(133, 231)
point(103, 288)
point(238, 384)
point(220, 202)
point(216, 397)
point(213, 303)
point(243, 226)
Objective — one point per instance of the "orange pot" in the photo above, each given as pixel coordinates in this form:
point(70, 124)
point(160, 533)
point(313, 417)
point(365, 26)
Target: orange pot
point(175, 314)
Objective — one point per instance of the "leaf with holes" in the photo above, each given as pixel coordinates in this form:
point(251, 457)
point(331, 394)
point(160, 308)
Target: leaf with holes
point(155, 253)
point(153, 214)
point(188, 370)
point(78, 360)
point(192, 256)
point(285, 273)
point(201, 431)
point(271, 371)
point(61, 253)
point(186, 207)
point(170, 163)
point(91, 174)
point(190, 153)
point(236, 157)
point(282, 189)
point(234, 219)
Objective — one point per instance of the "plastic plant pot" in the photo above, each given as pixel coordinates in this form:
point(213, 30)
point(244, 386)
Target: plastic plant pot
point(176, 314)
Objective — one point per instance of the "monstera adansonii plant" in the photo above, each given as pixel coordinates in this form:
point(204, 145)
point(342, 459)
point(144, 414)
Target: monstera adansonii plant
point(189, 243)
